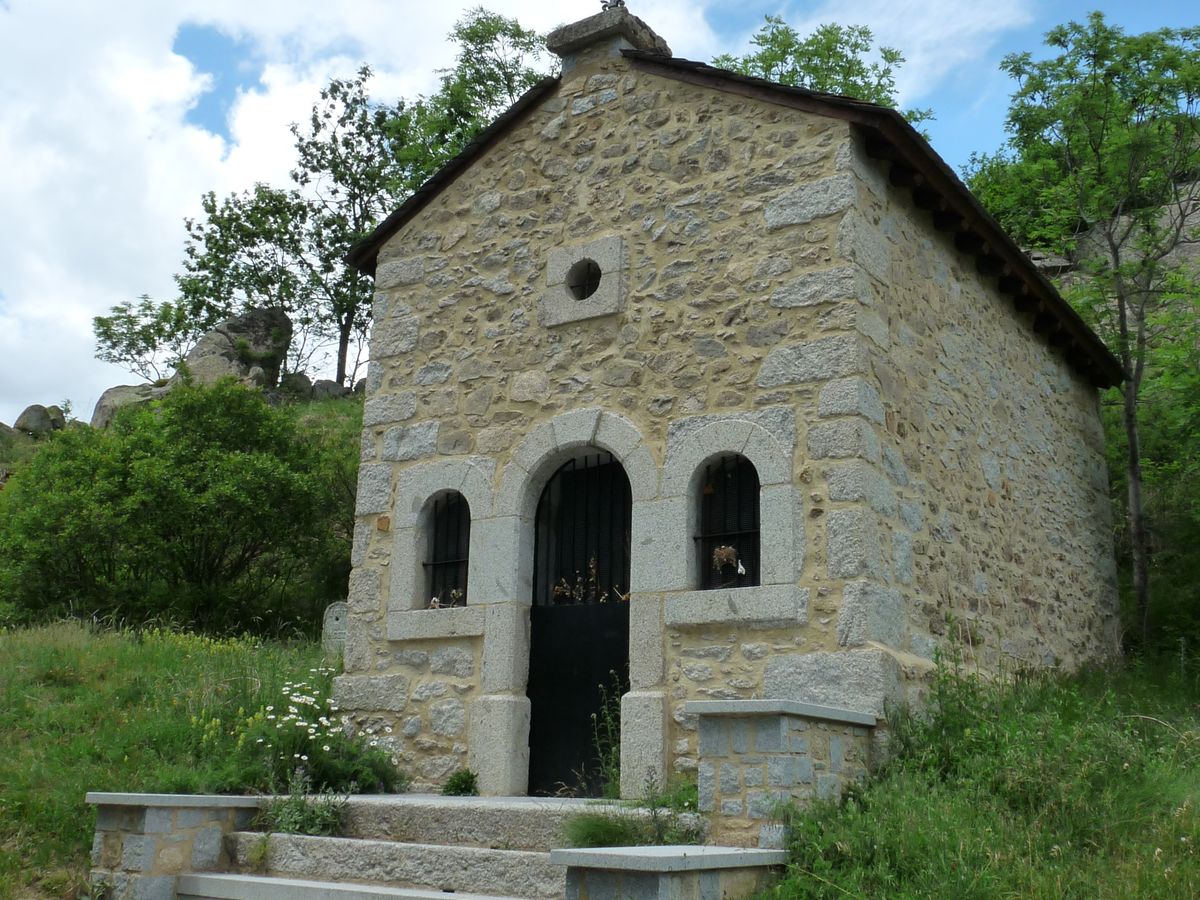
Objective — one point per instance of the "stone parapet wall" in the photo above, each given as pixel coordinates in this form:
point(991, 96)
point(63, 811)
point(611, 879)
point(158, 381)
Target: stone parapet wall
point(756, 755)
point(144, 841)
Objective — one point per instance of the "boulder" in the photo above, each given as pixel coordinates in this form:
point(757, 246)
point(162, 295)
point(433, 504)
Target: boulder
point(258, 339)
point(296, 385)
point(38, 421)
point(326, 390)
point(123, 395)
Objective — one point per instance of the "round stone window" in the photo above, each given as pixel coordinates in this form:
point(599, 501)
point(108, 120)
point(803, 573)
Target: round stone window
point(583, 279)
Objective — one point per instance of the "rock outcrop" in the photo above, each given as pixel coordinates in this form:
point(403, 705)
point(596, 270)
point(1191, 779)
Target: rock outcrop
point(258, 339)
point(123, 395)
point(38, 420)
point(249, 347)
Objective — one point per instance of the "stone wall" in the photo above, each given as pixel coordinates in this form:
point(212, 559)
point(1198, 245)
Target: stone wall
point(745, 252)
point(989, 523)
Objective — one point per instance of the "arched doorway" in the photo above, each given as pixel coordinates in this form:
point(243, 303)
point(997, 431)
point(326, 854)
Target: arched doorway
point(579, 621)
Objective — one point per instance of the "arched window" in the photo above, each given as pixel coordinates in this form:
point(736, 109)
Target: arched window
point(448, 541)
point(727, 544)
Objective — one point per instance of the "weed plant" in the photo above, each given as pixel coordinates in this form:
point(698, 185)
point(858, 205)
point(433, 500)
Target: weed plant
point(1042, 786)
point(461, 783)
point(300, 811)
point(83, 709)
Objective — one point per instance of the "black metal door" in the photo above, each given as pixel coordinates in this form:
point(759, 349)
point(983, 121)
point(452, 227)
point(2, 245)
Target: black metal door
point(579, 623)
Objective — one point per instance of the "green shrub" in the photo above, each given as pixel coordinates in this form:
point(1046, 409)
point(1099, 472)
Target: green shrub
point(461, 783)
point(208, 508)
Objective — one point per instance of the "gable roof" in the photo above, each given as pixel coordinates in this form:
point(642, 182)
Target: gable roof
point(888, 137)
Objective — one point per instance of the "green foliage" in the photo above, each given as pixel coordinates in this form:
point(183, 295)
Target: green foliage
point(293, 737)
point(611, 829)
point(834, 59)
point(207, 508)
point(1103, 168)
point(1042, 787)
point(83, 709)
point(358, 159)
point(151, 338)
point(461, 783)
point(296, 812)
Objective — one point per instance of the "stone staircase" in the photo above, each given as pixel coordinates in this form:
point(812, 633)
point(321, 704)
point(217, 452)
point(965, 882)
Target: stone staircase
point(404, 846)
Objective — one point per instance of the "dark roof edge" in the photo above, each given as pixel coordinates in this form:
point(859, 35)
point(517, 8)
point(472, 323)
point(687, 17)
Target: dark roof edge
point(935, 186)
point(363, 254)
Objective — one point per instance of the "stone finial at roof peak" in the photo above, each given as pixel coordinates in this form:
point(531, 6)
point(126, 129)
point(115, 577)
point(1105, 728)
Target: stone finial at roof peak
point(615, 22)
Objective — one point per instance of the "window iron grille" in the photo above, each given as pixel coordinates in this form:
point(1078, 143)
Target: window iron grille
point(727, 547)
point(449, 542)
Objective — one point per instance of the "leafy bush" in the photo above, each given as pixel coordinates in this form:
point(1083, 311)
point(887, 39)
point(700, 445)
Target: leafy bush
point(293, 737)
point(208, 508)
point(461, 783)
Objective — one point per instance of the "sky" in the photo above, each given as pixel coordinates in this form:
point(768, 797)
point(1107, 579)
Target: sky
point(116, 117)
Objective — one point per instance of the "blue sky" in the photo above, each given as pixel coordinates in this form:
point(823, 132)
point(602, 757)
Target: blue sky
point(115, 118)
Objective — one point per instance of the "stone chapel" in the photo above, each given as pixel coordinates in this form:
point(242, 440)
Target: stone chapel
point(694, 394)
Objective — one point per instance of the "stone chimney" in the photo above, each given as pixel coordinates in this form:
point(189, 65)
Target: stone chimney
point(611, 31)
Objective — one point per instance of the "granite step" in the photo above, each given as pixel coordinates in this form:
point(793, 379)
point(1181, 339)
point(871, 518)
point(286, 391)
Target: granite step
point(262, 887)
point(438, 867)
point(510, 823)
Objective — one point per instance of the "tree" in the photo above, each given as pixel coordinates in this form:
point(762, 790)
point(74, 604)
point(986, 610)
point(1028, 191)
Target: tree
point(833, 59)
point(149, 338)
point(346, 168)
point(1102, 167)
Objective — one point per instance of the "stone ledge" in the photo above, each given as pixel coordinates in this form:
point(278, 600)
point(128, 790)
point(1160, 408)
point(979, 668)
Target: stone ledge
point(104, 798)
point(777, 707)
point(263, 887)
point(430, 624)
point(676, 858)
point(763, 605)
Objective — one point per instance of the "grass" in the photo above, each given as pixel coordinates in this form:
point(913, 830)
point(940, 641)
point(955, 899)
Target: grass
point(83, 709)
point(1052, 787)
